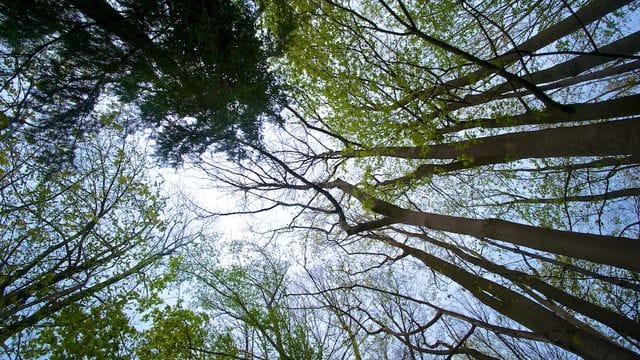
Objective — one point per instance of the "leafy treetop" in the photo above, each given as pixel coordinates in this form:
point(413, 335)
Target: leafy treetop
point(197, 70)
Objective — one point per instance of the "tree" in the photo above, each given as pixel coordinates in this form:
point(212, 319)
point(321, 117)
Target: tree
point(176, 333)
point(100, 331)
point(252, 308)
point(105, 331)
point(93, 230)
point(512, 174)
point(196, 70)
point(462, 178)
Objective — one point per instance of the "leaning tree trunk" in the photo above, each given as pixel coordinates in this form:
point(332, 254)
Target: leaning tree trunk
point(620, 137)
point(589, 13)
point(612, 138)
point(582, 112)
point(617, 251)
point(521, 309)
point(617, 50)
point(617, 322)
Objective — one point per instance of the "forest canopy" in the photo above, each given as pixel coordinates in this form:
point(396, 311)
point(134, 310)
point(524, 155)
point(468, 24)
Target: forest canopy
point(196, 71)
point(420, 180)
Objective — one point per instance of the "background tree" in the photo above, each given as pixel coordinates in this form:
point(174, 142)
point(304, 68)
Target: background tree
point(492, 144)
point(79, 234)
point(197, 70)
point(98, 331)
point(129, 327)
point(250, 305)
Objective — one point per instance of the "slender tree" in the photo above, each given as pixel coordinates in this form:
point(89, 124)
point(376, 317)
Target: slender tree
point(74, 233)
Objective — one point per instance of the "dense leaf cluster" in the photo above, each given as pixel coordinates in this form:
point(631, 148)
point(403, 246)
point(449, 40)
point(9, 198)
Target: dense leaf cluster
point(196, 70)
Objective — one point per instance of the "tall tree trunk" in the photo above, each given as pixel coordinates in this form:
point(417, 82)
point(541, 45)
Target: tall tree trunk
point(110, 19)
point(617, 251)
point(616, 194)
point(569, 69)
point(619, 323)
point(612, 138)
point(608, 109)
point(589, 13)
point(620, 137)
point(521, 309)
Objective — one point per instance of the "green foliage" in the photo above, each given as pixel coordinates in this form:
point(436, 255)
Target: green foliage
point(72, 233)
point(106, 331)
point(175, 333)
point(251, 299)
point(103, 331)
point(279, 18)
point(196, 70)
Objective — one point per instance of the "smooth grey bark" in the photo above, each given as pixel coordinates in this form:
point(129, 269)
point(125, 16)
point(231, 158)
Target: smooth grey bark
point(608, 109)
point(611, 250)
point(600, 74)
point(568, 266)
point(619, 323)
point(521, 309)
point(615, 194)
point(620, 137)
point(589, 13)
point(569, 69)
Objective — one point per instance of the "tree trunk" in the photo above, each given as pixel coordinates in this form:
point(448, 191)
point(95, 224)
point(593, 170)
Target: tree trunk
point(616, 194)
point(619, 323)
point(569, 69)
point(621, 137)
point(589, 13)
point(608, 109)
point(521, 309)
point(617, 251)
point(111, 20)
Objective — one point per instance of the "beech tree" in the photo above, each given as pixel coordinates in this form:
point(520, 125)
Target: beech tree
point(196, 70)
point(494, 143)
